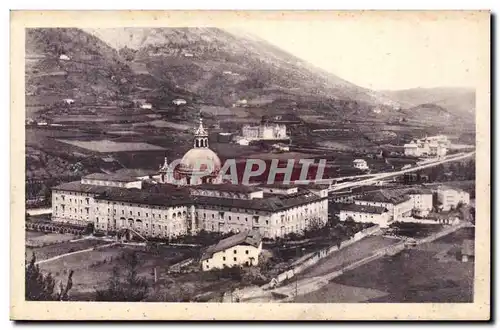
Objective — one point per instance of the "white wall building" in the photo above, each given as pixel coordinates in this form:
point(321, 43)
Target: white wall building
point(365, 213)
point(449, 198)
point(422, 201)
point(429, 146)
point(179, 101)
point(360, 164)
point(398, 206)
point(147, 106)
point(242, 249)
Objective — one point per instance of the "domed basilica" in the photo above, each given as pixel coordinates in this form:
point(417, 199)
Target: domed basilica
point(199, 165)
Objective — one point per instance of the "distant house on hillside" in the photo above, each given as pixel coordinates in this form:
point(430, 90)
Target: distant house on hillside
point(188, 54)
point(69, 101)
point(280, 147)
point(360, 164)
point(179, 101)
point(243, 142)
point(64, 57)
point(148, 106)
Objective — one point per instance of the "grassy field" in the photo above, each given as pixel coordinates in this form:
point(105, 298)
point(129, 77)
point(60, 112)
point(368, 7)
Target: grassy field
point(417, 275)
point(53, 250)
point(168, 124)
point(347, 255)
point(92, 271)
point(111, 146)
point(34, 238)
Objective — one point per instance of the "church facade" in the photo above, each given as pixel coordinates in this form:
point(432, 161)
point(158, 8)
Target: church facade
point(187, 199)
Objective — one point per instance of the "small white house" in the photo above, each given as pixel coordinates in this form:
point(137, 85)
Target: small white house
point(69, 101)
point(188, 55)
point(179, 101)
point(360, 164)
point(147, 106)
point(243, 142)
point(281, 147)
point(64, 57)
point(242, 249)
point(365, 213)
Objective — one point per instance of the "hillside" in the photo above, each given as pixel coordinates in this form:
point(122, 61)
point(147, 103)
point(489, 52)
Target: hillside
point(220, 68)
point(226, 73)
point(457, 102)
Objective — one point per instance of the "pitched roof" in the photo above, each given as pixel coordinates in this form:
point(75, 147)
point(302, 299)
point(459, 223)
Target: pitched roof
point(418, 191)
point(228, 187)
point(110, 177)
point(143, 197)
point(362, 208)
point(78, 186)
point(251, 237)
point(155, 195)
point(384, 196)
point(271, 204)
point(135, 172)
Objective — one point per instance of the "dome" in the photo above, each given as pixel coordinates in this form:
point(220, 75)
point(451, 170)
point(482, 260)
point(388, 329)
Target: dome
point(199, 159)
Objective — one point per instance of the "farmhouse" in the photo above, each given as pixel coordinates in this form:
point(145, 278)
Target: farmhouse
point(64, 57)
point(242, 249)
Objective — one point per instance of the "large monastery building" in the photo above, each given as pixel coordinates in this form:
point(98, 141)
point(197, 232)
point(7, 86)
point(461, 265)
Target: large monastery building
point(186, 200)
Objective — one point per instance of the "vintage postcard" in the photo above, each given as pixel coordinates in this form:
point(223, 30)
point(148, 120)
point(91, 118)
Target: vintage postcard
point(190, 165)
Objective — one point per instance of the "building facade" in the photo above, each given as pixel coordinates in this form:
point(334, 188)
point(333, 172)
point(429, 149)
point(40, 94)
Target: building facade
point(422, 201)
point(242, 249)
point(436, 146)
point(449, 198)
point(150, 205)
point(398, 206)
point(365, 213)
point(265, 131)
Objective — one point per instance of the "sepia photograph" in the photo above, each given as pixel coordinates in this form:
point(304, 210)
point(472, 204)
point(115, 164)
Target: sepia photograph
point(250, 160)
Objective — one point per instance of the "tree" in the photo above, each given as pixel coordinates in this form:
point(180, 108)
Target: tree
point(131, 288)
point(40, 287)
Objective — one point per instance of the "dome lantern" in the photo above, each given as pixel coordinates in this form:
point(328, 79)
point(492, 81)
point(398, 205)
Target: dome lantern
point(201, 136)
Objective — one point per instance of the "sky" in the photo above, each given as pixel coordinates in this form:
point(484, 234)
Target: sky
point(383, 54)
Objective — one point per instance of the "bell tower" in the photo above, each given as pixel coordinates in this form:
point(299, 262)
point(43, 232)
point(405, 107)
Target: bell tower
point(201, 136)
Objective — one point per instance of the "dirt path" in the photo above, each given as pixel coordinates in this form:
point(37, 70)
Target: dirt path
point(75, 252)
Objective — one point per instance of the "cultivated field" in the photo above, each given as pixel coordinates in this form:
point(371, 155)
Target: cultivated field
point(348, 255)
point(431, 272)
point(34, 238)
point(111, 146)
point(167, 124)
point(53, 250)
